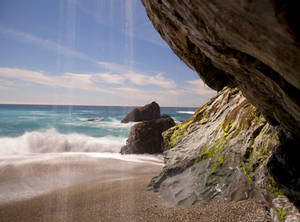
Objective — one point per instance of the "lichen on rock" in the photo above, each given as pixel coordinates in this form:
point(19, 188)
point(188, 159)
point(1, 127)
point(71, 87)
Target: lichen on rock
point(235, 147)
point(225, 158)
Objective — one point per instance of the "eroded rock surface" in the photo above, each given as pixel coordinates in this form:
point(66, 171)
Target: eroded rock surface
point(250, 44)
point(145, 137)
point(225, 152)
point(147, 112)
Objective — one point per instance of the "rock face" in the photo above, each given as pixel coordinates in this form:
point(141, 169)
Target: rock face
point(145, 137)
point(227, 151)
point(253, 45)
point(147, 112)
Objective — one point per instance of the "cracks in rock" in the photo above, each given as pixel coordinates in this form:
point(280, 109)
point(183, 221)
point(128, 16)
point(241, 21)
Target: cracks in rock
point(249, 63)
point(191, 46)
point(178, 16)
point(284, 167)
point(286, 12)
point(212, 76)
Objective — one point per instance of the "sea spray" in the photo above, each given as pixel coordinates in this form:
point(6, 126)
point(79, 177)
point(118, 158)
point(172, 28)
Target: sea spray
point(51, 141)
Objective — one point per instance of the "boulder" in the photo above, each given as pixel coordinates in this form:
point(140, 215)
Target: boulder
point(145, 137)
point(147, 112)
point(227, 151)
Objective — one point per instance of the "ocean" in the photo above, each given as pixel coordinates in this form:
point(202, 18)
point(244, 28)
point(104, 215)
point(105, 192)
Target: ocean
point(45, 148)
point(47, 128)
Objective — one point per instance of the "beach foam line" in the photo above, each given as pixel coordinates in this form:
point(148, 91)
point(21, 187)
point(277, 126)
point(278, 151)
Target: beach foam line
point(185, 112)
point(27, 176)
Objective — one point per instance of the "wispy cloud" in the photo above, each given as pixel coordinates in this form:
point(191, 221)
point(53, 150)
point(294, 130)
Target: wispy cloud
point(124, 72)
point(45, 43)
point(66, 80)
point(129, 90)
point(136, 78)
point(113, 67)
point(198, 87)
point(123, 17)
point(110, 78)
point(93, 82)
point(5, 84)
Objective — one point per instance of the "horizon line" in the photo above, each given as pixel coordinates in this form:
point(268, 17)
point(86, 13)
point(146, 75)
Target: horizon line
point(43, 104)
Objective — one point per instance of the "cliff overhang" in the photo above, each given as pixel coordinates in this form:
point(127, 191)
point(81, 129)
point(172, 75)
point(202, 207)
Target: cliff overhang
point(244, 142)
point(249, 44)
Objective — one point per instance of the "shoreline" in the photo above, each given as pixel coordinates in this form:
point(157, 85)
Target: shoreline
point(123, 199)
point(27, 176)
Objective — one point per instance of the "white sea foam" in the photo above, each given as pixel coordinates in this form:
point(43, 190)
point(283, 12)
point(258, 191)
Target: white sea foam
point(51, 141)
point(111, 124)
point(30, 175)
point(185, 112)
point(114, 123)
point(93, 119)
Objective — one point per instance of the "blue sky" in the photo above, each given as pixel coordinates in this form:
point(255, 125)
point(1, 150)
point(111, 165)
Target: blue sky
point(89, 52)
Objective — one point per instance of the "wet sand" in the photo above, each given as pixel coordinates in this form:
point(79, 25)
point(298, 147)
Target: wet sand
point(28, 176)
point(89, 187)
point(122, 200)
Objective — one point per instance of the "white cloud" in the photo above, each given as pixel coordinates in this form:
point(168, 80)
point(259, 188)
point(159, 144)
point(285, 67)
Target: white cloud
point(125, 73)
point(121, 95)
point(198, 87)
point(110, 78)
point(161, 81)
point(113, 67)
point(139, 79)
point(129, 90)
point(66, 80)
point(5, 84)
point(172, 92)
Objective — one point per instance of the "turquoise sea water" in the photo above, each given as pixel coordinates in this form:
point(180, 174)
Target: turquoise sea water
point(47, 128)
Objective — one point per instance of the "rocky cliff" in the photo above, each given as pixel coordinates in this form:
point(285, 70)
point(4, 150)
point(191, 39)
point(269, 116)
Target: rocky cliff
point(244, 142)
point(250, 44)
point(227, 151)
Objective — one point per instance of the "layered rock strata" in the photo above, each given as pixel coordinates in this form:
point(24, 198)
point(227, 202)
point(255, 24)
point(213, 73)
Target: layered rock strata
point(250, 44)
point(227, 151)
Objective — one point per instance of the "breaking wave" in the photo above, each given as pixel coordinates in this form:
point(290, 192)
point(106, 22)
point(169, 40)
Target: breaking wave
point(185, 112)
point(51, 141)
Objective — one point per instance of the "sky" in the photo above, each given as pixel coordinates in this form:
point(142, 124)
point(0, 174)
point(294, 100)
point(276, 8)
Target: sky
point(90, 52)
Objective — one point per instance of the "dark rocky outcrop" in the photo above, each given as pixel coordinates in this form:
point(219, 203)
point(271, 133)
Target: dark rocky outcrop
point(145, 137)
point(235, 147)
point(147, 112)
point(253, 45)
point(227, 151)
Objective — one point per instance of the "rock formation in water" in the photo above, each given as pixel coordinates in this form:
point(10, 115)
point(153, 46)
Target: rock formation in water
point(147, 112)
point(235, 147)
point(250, 44)
point(146, 136)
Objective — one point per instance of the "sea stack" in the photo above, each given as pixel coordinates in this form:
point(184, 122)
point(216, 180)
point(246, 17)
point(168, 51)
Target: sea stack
point(146, 136)
point(147, 112)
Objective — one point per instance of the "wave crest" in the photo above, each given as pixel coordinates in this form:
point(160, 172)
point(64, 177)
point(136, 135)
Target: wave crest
point(185, 112)
point(51, 141)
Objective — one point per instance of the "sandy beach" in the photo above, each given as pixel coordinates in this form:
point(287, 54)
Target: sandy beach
point(122, 200)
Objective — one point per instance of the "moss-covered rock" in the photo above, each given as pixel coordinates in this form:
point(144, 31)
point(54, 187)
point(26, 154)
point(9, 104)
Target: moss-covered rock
point(222, 158)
